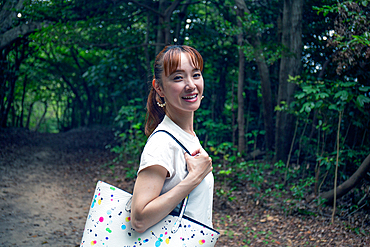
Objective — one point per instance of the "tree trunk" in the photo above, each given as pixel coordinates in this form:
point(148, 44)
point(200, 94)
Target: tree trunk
point(219, 96)
point(167, 21)
point(164, 21)
point(265, 80)
point(90, 118)
point(4, 115)
point(22, 103)
point(29, 115)
point(19, 57)
point(348, 185)
point(266, 96)
point(146, 49)
point(82, 116)
point(182, 15)
point(160, 33)
point(241, 121)
point(290, 65)
point(42, 117)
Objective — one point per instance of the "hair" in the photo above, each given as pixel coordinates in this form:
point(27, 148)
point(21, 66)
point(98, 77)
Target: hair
point(165, 64)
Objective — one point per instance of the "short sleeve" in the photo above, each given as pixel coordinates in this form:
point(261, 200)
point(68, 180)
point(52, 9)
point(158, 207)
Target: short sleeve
point(159, 150)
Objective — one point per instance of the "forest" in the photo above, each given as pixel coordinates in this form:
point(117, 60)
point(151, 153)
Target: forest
point(287, 87)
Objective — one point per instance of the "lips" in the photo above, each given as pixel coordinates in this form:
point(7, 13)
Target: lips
point(189, 97)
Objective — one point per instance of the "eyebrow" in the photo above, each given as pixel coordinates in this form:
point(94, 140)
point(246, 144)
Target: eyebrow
point(181, 70)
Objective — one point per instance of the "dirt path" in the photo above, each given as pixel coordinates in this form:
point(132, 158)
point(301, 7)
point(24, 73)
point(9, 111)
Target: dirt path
point(44, 195)
point(47, 181)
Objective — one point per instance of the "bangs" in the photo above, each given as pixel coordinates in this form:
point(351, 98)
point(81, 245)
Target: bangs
point(172, 59)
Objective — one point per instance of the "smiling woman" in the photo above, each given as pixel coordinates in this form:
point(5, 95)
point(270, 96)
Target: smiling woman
point(167, 174)
point(181, 90)
point(171, 64)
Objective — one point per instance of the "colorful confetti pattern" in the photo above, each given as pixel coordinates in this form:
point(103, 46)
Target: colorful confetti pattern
point(109, 224)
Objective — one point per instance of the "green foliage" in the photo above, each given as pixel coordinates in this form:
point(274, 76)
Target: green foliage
point(258, 176)
point(328, 95)
point(91, 60)
point(130, 135)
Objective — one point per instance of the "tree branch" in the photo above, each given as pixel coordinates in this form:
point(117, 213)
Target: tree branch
point(7, 14)
point(13, 34)
point(350, 183)
point(172, 7)
point(109, 46)
point(148, 8)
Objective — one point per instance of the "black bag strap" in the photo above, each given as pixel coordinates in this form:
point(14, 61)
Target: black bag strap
point(185, 200)
point(165, 131)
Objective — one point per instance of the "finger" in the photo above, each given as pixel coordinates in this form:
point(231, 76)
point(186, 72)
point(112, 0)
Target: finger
point(198, 151)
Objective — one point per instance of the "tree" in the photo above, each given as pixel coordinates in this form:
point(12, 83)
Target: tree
point(241, 9)
point(290, 65)
point(254, 32)
point(12, 40)
point(164, 14)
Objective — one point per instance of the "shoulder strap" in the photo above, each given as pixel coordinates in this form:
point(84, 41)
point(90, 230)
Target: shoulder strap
point(165, 131)
point(184, 202)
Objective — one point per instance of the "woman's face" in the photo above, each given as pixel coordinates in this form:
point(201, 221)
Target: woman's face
point(183, 88)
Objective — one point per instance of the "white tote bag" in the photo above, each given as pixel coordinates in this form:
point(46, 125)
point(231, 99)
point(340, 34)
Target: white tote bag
point(109, 225)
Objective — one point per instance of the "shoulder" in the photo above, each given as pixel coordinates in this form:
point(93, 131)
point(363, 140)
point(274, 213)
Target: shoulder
point(161, 150)
point(160, 144)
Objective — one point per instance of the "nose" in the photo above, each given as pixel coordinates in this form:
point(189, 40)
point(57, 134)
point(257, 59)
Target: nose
point(190, 84)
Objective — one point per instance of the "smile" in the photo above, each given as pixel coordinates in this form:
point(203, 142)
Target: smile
point(190, 97)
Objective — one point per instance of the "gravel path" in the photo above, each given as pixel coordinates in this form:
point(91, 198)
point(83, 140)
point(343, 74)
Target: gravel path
point(44, 197)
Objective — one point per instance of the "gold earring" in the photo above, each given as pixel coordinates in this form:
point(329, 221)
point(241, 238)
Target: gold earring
point(202, 97)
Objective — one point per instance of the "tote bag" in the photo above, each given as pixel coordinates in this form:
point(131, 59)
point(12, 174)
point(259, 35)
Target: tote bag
point(108, 223)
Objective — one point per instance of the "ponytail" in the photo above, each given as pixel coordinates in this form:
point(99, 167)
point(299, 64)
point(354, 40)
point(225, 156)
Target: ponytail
point(155, 113)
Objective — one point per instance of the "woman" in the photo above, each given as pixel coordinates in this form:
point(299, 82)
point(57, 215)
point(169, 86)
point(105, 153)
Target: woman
point(167, 174)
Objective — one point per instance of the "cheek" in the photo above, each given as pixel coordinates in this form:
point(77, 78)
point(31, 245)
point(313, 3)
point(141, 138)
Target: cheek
point(200, 86)
point(173, 91)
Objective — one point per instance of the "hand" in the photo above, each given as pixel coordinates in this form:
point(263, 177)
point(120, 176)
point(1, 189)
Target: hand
point(199, 164)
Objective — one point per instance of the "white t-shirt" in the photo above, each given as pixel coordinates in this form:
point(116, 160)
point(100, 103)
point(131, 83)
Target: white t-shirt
point(162, 150)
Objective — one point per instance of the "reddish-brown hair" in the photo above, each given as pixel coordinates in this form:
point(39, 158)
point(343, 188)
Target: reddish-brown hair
point(166, 62)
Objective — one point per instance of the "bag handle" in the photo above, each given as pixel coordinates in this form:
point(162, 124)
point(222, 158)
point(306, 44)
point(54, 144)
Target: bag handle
point(177, 224)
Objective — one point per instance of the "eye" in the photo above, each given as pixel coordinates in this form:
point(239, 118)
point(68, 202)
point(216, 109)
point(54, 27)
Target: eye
point(197, 75)
point(177, 78)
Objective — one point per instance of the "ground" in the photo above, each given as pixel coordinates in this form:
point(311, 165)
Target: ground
point(47, 182)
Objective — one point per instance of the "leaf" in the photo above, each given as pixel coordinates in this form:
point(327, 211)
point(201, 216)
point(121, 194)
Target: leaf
point(364, 89)
point(278, 108)
point(309, 89)
point(319, 104)
point(307, 107)
point(333, 107)
point(362, 99)
point(348, 84)
point(342, 94)
point(300, 95)
point(322, 95)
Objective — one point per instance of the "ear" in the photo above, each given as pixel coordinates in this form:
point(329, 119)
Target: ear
point(157, 88)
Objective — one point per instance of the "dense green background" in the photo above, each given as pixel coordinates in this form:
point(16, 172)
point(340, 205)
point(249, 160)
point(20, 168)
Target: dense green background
point(66, 64)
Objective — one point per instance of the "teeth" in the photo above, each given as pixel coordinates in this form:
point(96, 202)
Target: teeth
point(190, 97)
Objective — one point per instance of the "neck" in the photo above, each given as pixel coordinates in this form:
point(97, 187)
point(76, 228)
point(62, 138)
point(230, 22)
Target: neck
point(184, 121)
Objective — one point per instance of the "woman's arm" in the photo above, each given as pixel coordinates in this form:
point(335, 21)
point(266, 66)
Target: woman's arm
point(148, 208)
